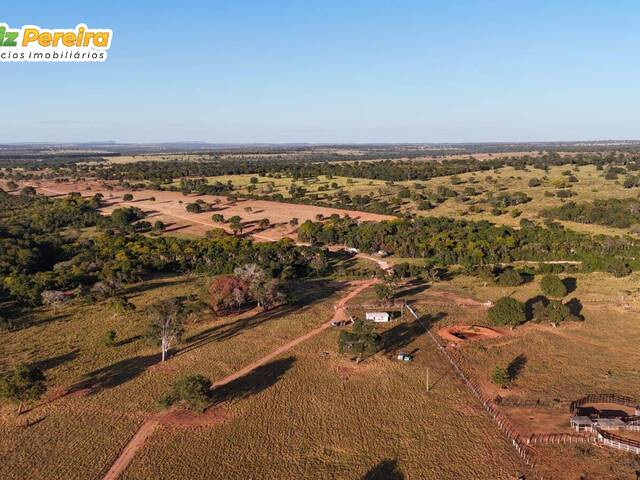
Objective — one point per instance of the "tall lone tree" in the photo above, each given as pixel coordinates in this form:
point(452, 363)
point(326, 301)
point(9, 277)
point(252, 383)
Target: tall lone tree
point(166, 325)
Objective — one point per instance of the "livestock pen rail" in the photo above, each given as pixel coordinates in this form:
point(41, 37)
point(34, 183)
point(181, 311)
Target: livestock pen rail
point(618, 441)
point(559, 438)
point(605, 398)
point(501, 421)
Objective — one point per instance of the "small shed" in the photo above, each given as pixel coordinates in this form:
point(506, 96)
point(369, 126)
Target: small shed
point(581, 422)
point(610, 423)
point(378, 317)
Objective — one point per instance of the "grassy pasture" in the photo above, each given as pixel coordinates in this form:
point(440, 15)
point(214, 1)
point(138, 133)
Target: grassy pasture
point(560, 364)
point(591, 185)
point(76, 437)
point(283, 183)
point(327, 417)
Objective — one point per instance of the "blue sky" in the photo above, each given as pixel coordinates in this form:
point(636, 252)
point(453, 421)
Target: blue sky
point(332, 71)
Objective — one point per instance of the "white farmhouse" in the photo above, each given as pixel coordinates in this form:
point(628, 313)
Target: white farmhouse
point(378, 317)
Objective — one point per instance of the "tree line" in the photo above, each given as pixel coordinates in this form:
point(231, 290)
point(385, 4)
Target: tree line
point(445, 241)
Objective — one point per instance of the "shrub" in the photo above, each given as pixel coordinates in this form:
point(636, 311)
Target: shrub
point(159, 226)
point(510, 278)
point(618, 268)
point(553, 312)
point(534, 182)
point(110, 338)
point(192, 390)
point(194, 208)
point(127, 197)
point(500, 376)
point(553, 286)
point(24, 384)
point(384, 292)
point(507, 311)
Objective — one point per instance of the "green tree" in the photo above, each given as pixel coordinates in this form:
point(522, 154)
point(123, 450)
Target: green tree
point(507, 311)
point(23, 384)
point(500, 376)
point(553, 311)
point(217, 218)
point(235, 223)
point(384, 291)
point(553, 286)
point(120, 305)
point(618, 268)
point(159, 226)
point(362, 339)
point(127, 197)
point(194, 208)
point(510, 278)
point(192, 390)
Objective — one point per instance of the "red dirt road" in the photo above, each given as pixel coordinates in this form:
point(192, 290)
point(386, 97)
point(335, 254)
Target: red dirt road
point(147, 428)
point(130, 450)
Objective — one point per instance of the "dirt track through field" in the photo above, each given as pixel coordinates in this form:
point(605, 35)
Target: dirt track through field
point(170, 207)
point(148, 427)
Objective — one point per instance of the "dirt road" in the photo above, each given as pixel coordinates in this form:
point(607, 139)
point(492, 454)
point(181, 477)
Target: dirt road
point(130, 450)
point(169, 207)
point(147, 428)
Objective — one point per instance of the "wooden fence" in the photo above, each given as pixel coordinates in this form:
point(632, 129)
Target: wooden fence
point(618, 441)
point(559, 438)
point(604, 398)
point(502, 422)
point(514, 402)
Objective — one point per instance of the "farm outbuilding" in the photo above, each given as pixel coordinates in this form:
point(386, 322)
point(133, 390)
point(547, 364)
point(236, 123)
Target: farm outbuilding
point(610, 423)
point(378, 317)
point(581, 423)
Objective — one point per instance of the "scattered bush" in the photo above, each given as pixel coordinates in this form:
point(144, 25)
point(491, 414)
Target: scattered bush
point(553, 286)
point(110, 338)
point(510, 278)
point(618, 268)
point(192, 391)
point(500, 376)
point(507, 311)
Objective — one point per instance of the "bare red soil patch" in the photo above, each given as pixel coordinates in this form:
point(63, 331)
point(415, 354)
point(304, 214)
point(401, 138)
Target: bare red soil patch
point(468, 333)
point(180, 417)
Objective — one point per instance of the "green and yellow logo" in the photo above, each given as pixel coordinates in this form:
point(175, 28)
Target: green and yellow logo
point(34, 44)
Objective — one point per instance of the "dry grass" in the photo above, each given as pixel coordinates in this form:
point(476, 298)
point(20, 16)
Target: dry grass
point(327, 417)
point(76, 437)
point(591, 185)
point(561, 364)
